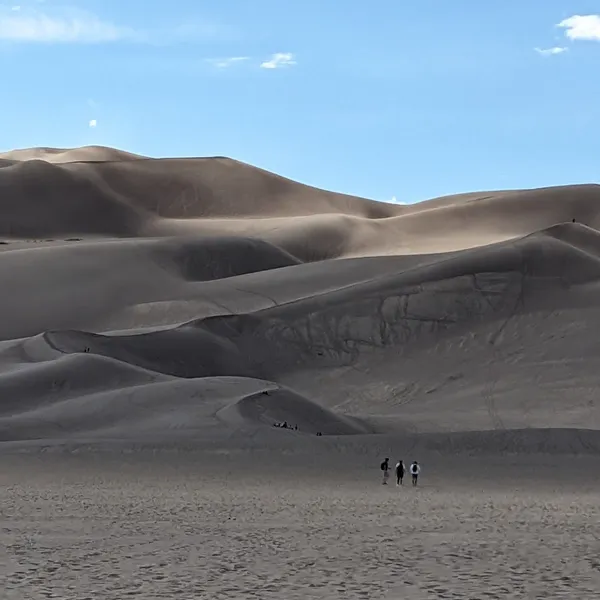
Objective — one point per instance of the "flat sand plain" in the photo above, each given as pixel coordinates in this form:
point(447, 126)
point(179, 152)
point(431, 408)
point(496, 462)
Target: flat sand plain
point(155, 526)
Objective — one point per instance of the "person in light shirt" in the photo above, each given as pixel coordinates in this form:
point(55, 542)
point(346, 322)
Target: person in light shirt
point(415, 470)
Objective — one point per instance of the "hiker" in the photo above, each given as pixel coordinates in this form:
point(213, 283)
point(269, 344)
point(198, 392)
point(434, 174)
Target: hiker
point(385, 467)
point(415, 469)
point(399, 472)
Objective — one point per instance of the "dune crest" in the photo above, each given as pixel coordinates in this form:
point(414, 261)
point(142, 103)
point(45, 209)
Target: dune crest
point(66, 155)
point(108, 193)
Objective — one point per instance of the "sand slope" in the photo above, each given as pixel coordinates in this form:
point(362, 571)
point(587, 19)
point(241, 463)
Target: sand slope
point(202, 300)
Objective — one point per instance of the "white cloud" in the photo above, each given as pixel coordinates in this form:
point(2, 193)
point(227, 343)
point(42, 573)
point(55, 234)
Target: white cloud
point(224, 63)
point(551, 51)
point(582, 27)
point(395, 200)
point(93, 123)
point(279, 60)
point(73, 26)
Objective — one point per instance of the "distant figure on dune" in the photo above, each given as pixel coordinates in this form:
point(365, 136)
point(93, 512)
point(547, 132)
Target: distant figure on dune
point(399, 472)
point(415, 469)
point(385, 467)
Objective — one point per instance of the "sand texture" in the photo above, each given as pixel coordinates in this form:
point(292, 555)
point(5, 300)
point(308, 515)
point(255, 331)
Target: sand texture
point(187, 305)
point(168, 528)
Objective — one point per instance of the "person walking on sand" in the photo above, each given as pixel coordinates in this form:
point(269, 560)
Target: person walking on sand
point(385, 467)
point(399, 472)
point(415, 469)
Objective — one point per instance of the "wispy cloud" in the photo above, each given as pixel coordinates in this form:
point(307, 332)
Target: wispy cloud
point(93, 123)
point(551, 51)
point(582, 27)
point(279, 60)
point(224, 63)
point(74, 26)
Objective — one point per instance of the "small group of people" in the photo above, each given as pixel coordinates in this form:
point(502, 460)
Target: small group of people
point(414, 469)
point(285, 425)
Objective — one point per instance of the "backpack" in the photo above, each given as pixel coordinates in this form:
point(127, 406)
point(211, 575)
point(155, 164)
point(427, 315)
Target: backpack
point(383, 466)
point(414, 469)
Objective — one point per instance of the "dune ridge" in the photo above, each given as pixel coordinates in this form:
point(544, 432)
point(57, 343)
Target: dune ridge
point(218, 196)
point(201, 300)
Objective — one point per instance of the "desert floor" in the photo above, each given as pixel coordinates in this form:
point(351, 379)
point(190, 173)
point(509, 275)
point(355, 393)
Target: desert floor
point(192, 526)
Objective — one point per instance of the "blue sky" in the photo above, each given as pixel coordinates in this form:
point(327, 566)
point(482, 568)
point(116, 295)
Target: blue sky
point(399, 99)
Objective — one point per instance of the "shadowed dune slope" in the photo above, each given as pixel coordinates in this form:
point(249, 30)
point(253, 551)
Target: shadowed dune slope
point(539, 272)
point(122, 195)
point(124, 402)
point(102, 286)
point(284, 406)
point(40, 199)
point(84, 284)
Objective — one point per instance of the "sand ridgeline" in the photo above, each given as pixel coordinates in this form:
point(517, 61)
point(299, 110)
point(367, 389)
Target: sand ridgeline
point(198, 301)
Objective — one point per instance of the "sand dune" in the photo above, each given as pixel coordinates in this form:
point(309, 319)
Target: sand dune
point(82, 284)
point(98, 191)
point(199, 300)
point(497, 331)
point(66, 155)
point(159, 316)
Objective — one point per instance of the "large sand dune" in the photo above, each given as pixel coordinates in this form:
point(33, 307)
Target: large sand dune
point(158, 318)
point(201, 300)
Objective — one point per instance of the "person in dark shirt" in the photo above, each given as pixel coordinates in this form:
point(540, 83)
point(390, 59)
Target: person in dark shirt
point(399, 472)
point(385, 467)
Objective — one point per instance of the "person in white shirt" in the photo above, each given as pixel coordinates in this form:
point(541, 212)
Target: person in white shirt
point(415, 469)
